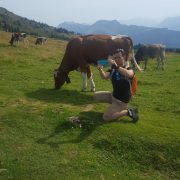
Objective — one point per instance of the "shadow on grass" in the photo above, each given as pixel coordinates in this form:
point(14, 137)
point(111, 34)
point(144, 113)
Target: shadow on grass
point(89, 122)
point(61, 96)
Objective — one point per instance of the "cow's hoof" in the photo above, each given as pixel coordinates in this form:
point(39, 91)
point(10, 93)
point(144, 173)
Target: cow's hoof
point(83, 90)
point(93, 90)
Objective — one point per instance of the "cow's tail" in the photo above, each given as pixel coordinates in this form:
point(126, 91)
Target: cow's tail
point(135, 62)
point(133, 57)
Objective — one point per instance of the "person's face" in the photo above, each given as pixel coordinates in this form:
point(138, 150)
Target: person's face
point(119, 59)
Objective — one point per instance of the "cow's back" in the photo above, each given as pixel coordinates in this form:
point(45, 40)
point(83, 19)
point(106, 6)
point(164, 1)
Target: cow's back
point(150, 51)
point(156, 50)
point(72, 55)
point(96, 47)
point(83, 50)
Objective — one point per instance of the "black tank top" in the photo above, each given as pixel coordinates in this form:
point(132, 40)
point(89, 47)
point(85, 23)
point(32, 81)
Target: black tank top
point(121, 86)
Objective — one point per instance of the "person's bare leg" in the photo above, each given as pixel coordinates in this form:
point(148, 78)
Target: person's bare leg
point(115, 111)
point(120, 114)
point(103, 96)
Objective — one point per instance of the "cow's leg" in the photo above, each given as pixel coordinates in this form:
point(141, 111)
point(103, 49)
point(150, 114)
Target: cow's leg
point(92, 83)
point(12, 39)
point(163, 58)
point(26, 42)
point(84, 84)
point(15, 42)
point(90, 76)
point(162, 62)
point(158, 62)
point(145, 64)
point(23, 40)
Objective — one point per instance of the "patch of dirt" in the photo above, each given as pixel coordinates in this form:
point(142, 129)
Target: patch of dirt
point(88, 107)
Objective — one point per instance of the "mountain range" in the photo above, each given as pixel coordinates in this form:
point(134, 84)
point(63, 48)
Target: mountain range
point(172, 23)
point(140, 34)
point(167, 32)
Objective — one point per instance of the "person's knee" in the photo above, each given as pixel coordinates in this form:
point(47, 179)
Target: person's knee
point(107, 117)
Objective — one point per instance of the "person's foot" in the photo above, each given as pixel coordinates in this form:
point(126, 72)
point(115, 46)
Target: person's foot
point(133, 113)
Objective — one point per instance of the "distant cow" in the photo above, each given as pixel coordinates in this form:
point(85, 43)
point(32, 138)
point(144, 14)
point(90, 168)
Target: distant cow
point(16, 37)
point(151, 51)
point(40, 40)
point(82, 51)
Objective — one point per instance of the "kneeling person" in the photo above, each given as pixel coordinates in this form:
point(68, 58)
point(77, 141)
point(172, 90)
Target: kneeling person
point(120, 75)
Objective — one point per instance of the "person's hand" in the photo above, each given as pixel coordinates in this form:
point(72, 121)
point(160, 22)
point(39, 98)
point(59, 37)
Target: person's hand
point(99, 67)
point(113, 66)
point(112, 63)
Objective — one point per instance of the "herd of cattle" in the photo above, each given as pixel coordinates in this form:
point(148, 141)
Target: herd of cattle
point(83, 51)
point(21, 37)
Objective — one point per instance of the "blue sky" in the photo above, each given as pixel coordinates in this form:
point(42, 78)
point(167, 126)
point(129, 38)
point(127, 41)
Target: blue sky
point(54, 12)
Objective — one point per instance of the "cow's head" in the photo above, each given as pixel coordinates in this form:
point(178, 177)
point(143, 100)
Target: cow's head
point(136, 58)
point(140, 54)
point(60, 77)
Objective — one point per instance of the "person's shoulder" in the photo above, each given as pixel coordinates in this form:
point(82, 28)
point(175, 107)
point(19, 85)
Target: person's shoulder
point(130, 68)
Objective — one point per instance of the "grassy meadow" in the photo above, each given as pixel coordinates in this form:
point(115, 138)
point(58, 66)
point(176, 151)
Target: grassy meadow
point(38, 142)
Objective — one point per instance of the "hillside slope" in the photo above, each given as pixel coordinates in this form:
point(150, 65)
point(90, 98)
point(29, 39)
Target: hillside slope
point(14, 23)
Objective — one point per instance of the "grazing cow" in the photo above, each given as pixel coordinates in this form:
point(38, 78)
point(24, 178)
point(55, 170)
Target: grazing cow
point(40, 40)
point(16, 37)
point(151, 51)
point(82, 51)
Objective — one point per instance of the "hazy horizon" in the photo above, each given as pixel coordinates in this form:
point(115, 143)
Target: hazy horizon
point(82, 11)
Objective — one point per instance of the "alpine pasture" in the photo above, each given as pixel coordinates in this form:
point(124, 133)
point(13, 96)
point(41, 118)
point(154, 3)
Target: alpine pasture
point(38, 142)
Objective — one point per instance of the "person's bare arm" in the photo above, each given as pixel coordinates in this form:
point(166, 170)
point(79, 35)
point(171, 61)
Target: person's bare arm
point(129, 73)
point(103, 74)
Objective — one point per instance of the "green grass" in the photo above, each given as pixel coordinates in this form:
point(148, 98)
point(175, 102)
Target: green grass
point(37, 141)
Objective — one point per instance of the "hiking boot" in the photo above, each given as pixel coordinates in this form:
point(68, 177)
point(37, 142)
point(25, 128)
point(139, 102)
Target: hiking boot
point(133, 113)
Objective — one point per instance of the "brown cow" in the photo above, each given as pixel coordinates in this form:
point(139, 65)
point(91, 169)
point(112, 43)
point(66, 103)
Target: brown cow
point(82, 51)
point(151, 51)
